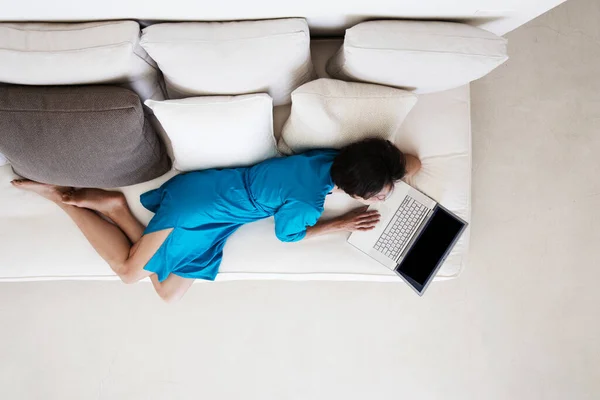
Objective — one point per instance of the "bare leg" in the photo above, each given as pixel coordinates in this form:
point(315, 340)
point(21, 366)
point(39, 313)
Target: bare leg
point(108, 240)
point(171, 289)
point(111, 204)
point(114, 206)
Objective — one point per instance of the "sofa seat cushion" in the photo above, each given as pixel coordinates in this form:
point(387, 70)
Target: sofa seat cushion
point(437, 129)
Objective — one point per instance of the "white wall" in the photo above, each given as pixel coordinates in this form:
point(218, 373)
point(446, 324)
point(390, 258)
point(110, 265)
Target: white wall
point(325, 17)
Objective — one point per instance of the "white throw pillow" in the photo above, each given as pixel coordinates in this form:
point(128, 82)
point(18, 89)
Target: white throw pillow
point(77, 54)
point(328, 113)
point(423, 56)
point(200, 58)
point(3, 160)
point(218, 131)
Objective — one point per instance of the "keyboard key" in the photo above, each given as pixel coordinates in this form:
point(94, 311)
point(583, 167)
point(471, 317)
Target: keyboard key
point(400, 228)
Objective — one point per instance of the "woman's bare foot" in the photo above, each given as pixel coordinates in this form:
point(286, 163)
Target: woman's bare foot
point(51, 192)
point(103, 201)
point(413, 165)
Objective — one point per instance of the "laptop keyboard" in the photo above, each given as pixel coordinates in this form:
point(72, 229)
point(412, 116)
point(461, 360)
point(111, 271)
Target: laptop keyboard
point(401, 227)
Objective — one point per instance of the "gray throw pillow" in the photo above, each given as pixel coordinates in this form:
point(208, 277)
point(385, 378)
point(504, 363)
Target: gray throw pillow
point(83, 136)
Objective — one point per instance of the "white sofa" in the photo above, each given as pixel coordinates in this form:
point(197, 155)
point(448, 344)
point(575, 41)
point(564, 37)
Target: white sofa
point(39, 242)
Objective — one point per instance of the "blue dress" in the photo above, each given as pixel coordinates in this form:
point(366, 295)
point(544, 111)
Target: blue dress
point(205, 207)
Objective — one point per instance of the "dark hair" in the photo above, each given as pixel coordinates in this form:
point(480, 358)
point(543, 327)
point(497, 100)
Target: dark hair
point(365, 168)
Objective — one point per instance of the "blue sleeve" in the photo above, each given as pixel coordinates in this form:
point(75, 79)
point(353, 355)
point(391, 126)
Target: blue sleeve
point(292, 219)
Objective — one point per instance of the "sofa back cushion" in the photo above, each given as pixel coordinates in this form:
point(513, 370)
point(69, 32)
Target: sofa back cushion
point(85, 136)
point(329, 113)
point(218, 131)
point(422, 56)
point(77, 54)
point(230, 58)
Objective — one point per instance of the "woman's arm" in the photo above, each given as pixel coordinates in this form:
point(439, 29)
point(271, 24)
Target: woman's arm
point(356, 220)
point(413, 165)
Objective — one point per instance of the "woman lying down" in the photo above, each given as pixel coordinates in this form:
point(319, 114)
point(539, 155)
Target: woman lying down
point(196, 212)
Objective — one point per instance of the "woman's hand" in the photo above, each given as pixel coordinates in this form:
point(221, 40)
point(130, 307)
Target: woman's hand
point(358, 220)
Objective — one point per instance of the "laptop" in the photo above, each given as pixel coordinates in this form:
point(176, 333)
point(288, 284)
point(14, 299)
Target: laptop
point(413, 238)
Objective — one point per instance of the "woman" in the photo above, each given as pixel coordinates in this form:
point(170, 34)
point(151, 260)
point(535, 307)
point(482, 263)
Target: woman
point(196, 212)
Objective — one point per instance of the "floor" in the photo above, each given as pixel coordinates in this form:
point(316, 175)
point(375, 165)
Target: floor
point(522, 322)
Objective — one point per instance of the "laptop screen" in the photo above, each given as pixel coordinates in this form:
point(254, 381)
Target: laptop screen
point(420, 263)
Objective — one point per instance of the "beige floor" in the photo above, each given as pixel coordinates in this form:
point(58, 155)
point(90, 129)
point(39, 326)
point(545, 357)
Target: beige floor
point(522, 322)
